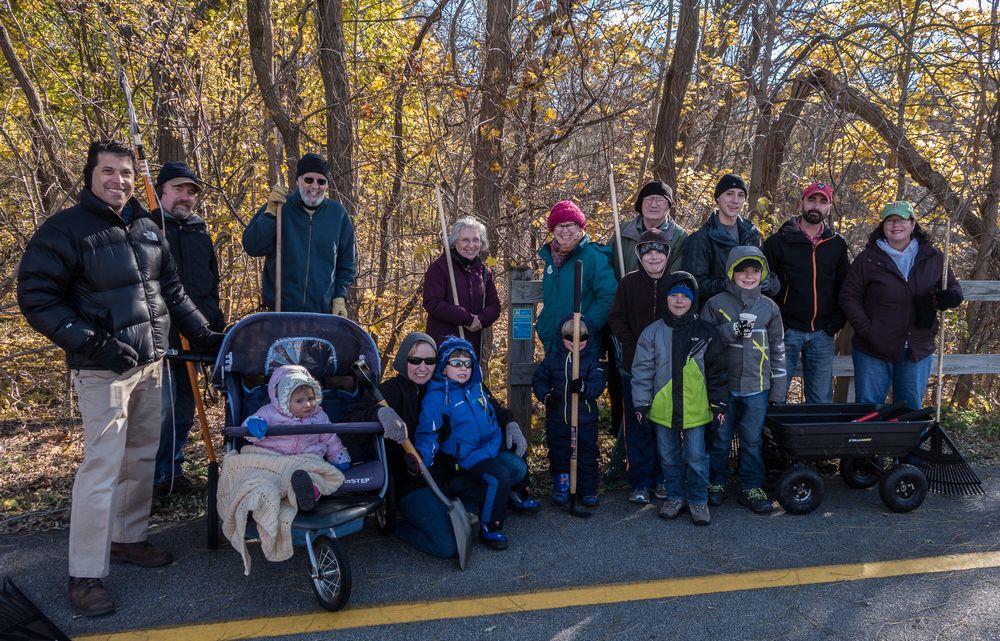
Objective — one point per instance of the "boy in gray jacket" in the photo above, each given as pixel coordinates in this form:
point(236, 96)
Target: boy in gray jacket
point(751, 330)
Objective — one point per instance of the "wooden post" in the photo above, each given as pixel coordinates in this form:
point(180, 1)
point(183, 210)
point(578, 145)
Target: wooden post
point(525, 293)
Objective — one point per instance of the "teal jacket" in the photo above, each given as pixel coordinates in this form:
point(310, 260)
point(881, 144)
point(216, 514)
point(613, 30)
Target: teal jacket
point(599, 286)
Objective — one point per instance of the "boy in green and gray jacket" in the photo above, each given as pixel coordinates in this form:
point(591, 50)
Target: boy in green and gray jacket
point(751, 330)
point(678, 384)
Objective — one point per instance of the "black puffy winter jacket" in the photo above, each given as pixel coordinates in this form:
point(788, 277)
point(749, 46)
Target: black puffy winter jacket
point(86, 276)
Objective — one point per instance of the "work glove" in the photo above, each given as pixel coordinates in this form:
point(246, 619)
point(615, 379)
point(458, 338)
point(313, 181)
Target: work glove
point(946, 299)
point(412, 464)
point(642, 414)
point(551, 403)
point(338, 307)
point(393, 426)
point(719, 412)
point(577, 386)
point(275, 199)
point(256, 426)
point(515, 439)
point(110, 352)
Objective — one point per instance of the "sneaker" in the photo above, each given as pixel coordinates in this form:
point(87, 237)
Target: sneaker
point(90, 597)
point(660, 491)
point(302, 486)
point(639, 497)
point(181, 485)
point(523, 504)
point(716, 495)
point(756, 500)
point(699, 513)
point(560, 498)
point(671, 508)
point(493, 537)
point(144, 554)
point(590, 500)
point(560, 489)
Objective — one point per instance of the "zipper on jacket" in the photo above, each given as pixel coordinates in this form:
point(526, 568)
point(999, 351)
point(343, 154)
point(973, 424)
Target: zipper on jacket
point(305, 279)
point(812, 323)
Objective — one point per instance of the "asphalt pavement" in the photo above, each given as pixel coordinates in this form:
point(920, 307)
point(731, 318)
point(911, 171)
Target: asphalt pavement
point(556, 560)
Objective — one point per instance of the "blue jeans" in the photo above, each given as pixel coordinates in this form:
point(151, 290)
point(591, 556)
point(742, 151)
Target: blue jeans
point(426, 524)
point(174, 426)
point(817, 350)
point(488, 484)
point(642, 466)
point(695, 459)
point(745, 415)
point(872, 377)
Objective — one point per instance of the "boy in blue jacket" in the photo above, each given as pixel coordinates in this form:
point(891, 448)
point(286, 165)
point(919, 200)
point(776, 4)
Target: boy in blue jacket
point(458, 422)
point(553, 384)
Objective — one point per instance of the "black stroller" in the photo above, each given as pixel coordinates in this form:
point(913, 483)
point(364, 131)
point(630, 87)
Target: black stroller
point(327, 346)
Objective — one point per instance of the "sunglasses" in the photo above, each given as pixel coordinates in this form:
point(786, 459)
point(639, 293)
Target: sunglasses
point(569, 337)
point(652, 247)
point(309, 180)
point(416, 360)
point(461, 362)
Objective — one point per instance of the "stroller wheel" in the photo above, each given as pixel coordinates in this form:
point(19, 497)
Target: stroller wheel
point(385, 515)
point(331, 575)
point(800, 489)
point(862, 473)
point(903, 488)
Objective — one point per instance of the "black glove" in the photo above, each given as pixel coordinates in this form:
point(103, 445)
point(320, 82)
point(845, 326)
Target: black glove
point(924, 313)
point(207, 340)
point(577, 386)
point(110, 352)
point(412, 464)
point(946, 299)
point(551, 403)
point(642, 414)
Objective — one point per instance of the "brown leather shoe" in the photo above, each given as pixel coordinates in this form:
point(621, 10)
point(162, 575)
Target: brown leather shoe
point(144, 554)
point(182, 485)
point(90, 597)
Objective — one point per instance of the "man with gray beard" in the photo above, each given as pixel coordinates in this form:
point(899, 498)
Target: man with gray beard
point(810, 261)
point(317, 254)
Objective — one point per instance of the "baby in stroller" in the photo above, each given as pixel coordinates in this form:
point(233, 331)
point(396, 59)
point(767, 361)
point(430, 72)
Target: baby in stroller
point(295, 400)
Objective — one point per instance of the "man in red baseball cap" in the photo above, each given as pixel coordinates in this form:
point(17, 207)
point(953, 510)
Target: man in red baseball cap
point(810, 261)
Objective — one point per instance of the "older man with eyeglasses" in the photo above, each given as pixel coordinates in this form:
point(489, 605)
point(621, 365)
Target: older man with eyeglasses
point(318, 263)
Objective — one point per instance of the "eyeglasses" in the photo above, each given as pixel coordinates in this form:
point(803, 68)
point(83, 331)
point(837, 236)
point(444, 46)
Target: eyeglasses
point(309, 180)
point(566, 227)
point(569, 337)
point(416, 360)
point(897, 222)
point(461, 362)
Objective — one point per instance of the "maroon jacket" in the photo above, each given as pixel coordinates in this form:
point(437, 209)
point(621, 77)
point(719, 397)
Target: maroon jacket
point(477, 295)
point(638, 302)
point(887, 311)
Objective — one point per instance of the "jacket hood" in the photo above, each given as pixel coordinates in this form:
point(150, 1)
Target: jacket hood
point(736, 256)
point(692, 313)
point(285, 380)
point(652, 236)
point(585, 325)
point(448, 346)
point(399, 362)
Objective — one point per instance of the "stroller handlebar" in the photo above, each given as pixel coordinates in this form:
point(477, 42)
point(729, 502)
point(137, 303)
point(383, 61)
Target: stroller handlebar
point(367, 427)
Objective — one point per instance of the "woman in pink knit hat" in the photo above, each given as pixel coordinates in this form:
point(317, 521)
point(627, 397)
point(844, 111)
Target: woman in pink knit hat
point(569, 244)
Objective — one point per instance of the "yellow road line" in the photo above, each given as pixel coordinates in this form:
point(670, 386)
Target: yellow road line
point(401, 613)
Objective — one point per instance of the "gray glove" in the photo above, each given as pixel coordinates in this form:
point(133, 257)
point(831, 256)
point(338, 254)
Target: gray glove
point(393, 427)
point(515, 439)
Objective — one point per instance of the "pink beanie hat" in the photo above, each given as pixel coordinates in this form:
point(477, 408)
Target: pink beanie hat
point(565, 211)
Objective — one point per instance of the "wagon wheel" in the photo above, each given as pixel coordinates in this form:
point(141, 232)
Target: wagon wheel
point(863, 472)
point(385, 515)
point(903, 488)
point(800, 489)
point(331, 576)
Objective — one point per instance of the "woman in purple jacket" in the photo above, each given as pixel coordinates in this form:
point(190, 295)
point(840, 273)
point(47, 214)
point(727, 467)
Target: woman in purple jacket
point(891, 297)
point(478, 303)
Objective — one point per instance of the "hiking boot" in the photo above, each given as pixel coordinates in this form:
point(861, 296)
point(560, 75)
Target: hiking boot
point(590, 500)
point(639, 497)
point(660, 491)
point(492, 537)
point(144, 554)
point(699, 513)
point(302, 486)
point(756, 500)
point(671, 508)
point(716, 495)
point(90, 597)
point(181, 485)
point(523, 504)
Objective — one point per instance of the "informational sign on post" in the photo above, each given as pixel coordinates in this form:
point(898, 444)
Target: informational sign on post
point(522, 324)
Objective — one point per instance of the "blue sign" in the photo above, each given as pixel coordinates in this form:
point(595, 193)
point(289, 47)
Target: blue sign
point(521, 323)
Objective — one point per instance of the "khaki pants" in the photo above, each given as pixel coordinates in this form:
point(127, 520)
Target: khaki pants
point(113, 489)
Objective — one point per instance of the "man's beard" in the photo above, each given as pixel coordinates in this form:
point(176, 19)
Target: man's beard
point(812, 216)
point(312, 201)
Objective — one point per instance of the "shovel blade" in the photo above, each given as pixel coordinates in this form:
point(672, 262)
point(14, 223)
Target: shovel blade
point(463, 531)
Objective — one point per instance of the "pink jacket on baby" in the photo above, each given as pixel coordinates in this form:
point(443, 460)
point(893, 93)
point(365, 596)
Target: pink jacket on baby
point(284, 381)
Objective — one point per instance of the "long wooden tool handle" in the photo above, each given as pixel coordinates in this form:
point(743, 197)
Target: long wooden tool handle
point(447, 251)
point(206, 435)
point(574, 420)
point(277, 262)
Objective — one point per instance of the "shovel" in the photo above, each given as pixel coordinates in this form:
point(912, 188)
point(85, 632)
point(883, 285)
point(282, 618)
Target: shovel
point(456, 511)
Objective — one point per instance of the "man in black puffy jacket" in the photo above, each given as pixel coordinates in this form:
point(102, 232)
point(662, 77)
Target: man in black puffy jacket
point(177, 188)
point(98, 280)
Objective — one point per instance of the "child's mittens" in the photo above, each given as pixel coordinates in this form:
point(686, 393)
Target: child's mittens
point(342, 461)
point(551, 403)
point(577, 386)
point(256, 426)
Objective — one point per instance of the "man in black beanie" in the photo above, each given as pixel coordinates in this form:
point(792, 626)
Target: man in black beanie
point(318, 263)
point(708, 248)
point(653, 206)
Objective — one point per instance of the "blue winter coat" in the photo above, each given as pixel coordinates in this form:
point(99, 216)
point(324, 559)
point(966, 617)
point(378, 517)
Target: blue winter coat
point(599, 286)
point(553, 374)
point(317, 257)
point(457, 419)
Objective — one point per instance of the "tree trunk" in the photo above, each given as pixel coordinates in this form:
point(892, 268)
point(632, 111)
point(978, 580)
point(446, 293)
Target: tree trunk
point(337, 90)
point(674, 89)
point(169, 142)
